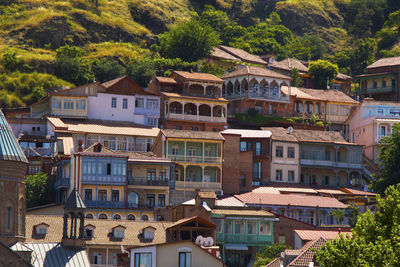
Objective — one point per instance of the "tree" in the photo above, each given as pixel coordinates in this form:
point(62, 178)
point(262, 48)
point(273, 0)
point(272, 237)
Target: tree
point(375, 240)
point(35, 187)
point(296, 79)
point(217, 19)
point(189, 41)
point(267, 254)
point(322, 71)
point(389, 161)
point(339, 215)
point(353, 213)
point(106, 69)
point(70, 65)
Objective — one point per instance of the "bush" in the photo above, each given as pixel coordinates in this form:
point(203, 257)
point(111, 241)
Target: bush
point(252, 112)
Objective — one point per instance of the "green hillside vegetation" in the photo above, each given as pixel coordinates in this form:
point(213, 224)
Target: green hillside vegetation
point(138, 38)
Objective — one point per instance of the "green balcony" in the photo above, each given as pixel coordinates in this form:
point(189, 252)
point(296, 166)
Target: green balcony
point(249, 239)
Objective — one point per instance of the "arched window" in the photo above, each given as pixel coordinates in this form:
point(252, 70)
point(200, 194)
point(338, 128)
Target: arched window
point(103, 216)
point(117, 217)
point(9, 216)
point(145, 218)
point(133, 200)
point(89, 216)
point(131, 217)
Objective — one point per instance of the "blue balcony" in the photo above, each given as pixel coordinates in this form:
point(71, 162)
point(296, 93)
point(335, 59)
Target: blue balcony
point(244, 238)
point(104, 204)
point(62, 183)
point(147, 181)
point(104, 179)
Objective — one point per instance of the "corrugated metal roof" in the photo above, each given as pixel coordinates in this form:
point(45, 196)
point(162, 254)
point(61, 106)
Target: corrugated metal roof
point(243, 212)
point(57, 122)
point(249, 133)
point(54, 255)
point(315, 234)
point(74, 201)
point(65, 144)
point(9, 147)
point(229, 202)
point(170, 133)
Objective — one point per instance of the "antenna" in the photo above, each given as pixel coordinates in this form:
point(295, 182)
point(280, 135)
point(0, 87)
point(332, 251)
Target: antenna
point(290, 130)
point(199, 238)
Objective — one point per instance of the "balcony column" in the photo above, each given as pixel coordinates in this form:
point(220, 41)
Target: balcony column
point(197, 114)
point(304, 108)
point(212, 115)
point(184, 175)
point(203, 151)
point(337, 178)
point(204, 88)
point(348, 178)
point(202, 176)
point(185, 152)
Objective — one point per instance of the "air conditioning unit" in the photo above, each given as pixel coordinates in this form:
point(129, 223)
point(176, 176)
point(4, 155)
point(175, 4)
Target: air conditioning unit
point(219, 192)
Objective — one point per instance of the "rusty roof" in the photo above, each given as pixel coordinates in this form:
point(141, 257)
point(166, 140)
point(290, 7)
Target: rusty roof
point(57, 123)
point(165, 79)
point(196, 76)
point(308, 235)
point(252, 198)
point(244, 133)
point(219, 53)
point(191, 219)
point(290, 63)
point(255, 71)
point(275, 263)
point(319, 94)
point(243, 212)
point(385, 62)
point(101, 232)
point(170, 133)
point(243, 55)
point(280, 134)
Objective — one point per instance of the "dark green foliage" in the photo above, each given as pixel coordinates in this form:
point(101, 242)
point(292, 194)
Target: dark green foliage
point(35, 187)
point(106, 69)
point(217, 19)
point(70, 65)
point(375, 239)
point(297, 81)
point(339, 215)
point(211, 68)
point(322, 71)
point(190, 41)
point(389, 161)
point(267, 254)
point(353, 212)
point(252, 112)
point(142, 71)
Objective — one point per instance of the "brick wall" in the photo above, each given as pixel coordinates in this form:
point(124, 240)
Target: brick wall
point(231, 168)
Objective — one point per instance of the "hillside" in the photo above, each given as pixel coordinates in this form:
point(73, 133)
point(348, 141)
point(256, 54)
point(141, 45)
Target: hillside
point(124, 30)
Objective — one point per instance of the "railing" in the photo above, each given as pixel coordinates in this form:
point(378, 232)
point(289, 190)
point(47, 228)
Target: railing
point(64, 182)
point(248, 238)
point(376, 90)
point(147, 111)
point(69, 112)
point(326, 163)
point(109, 179)
point(197, 184)
point(195, 159)
point(189, 117)
point(147, 181)
point(105, 204)
point(258, 96)
point(103, 265)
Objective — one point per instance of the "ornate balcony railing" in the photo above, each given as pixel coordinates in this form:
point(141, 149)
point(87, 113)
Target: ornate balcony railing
point(189, 117)
point(148, 181)
point(244, 238)
point(189, 184)
point(195, 159)
point(104, 204)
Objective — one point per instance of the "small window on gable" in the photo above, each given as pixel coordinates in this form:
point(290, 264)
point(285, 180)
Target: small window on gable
point(89, 216)
point(145, 218)
point(89, 231)
point(131, 217)
point(149, 234)
point(41, 229)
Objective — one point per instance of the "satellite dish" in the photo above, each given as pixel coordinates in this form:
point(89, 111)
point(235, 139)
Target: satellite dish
point(203, 241)
point(209, 241)
point(198, 239)
point(290, 130)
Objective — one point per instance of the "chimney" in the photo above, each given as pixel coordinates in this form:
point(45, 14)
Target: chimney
point(80, 143)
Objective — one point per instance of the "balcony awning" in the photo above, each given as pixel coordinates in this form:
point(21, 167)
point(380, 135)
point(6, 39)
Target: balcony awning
point(236, 247)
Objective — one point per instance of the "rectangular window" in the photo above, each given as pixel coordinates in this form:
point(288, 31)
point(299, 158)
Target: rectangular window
point(152, 121)
point(139, 102)
point(80, 104)
point(9, 218)
point(228, 227)
point(141, 144)
point(177, 127)
point(184, 259)
point(380, 111)
point(56, 103)
point(239, 227)
point(68, 104)
point(143, 260)
point(257, 170)
point(150, 200)
point(279, 152)
point(384, 83)
point(152, 104)
point(161, 200)
point(394, 112)
point(326, 180)
point(88, 194)
point(243, 146)
point(375, 84)
point(102, 195)
point(125, 103)
point(290, 152)
point(163, 174)
point(114, 102)
point(327, 155)
point(278, 175)
point(108, 168)
point(252, 227)
point(151, 174)
point(194, 128)
point(258, 148)
point(115, 195)
point(291, 176)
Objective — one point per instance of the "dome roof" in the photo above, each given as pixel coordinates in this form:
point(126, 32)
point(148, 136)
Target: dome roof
point(9, 146)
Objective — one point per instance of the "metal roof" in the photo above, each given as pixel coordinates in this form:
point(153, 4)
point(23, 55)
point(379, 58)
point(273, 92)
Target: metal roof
point(249, 133)
point(54, 255)
point(74, 201)
point(9, 147)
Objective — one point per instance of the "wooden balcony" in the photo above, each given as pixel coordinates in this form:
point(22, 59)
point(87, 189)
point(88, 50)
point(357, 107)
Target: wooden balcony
point(329, 163)
point(256, 96)
point(244, 238)
point(195, 159)
point(145, 181)
point(62, 183)
point(189, 117)
point(194, 185)
point(103, 179)
point(73, 113)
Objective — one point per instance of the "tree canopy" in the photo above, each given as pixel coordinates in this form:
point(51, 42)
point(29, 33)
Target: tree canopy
point(189, 41)
point(389, 161)
point(322, 71)
point(36, 189)
point(267, 254)
point(375, 240)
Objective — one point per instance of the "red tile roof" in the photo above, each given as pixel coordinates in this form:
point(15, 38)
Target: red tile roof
point(357, 192)
point(166, 80)
point(290, 63)
point(307, 255)
point(384, 62)
point(243, 55)
point(290, 199)
point(307, 235)
point(219, 53)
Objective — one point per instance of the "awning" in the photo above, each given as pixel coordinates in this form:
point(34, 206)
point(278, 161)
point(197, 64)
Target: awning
point(236, 247)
